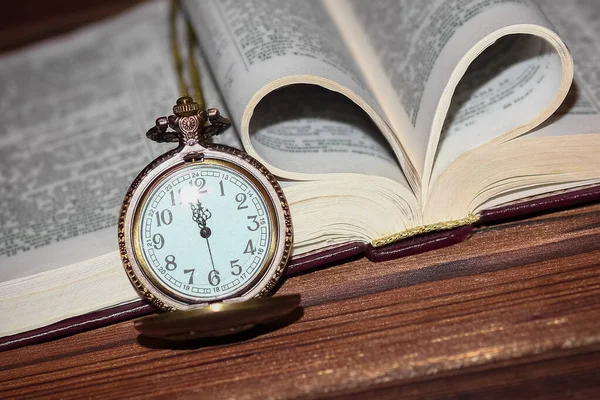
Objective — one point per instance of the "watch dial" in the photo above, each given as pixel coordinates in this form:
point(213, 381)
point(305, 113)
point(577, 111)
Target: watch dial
point(205, 232)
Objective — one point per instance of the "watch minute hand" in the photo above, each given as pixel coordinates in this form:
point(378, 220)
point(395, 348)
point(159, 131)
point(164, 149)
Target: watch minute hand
point(200, 215)
point(210, 253)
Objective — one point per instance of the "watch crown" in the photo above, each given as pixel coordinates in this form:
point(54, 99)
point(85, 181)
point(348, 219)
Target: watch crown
point(185, 107)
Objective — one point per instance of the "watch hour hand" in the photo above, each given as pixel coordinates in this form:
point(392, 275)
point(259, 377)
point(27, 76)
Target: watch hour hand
point(200, 215)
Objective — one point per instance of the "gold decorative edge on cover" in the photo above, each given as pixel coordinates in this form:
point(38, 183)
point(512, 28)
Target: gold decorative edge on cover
point(418, 230)
point(287, 219)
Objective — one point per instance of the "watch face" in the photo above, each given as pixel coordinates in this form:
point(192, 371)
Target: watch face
point(204, 231)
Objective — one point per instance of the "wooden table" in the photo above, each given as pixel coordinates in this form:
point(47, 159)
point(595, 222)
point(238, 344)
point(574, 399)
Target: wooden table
point(512, 312)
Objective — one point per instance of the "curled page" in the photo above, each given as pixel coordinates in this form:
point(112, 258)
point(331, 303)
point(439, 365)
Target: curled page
point(423, 49)
point(559, 154)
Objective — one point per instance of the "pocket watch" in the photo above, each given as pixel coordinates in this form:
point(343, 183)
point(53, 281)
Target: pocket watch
point(203, 223)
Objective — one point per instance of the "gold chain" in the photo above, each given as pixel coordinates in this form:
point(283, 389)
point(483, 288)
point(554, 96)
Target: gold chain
point(178, 60)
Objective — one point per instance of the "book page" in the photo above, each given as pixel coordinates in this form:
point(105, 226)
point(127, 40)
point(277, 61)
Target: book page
point(577, 24)
point(579, 115)
point(422, 50)
point(307, 128)
point(73, 137)
point(256, 47)
point(560, 154)
point(509, 84)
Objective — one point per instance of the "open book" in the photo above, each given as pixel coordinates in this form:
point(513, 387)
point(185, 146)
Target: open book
point(383, 120)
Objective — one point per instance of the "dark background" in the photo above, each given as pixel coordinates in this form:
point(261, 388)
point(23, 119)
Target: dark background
point(27, 21)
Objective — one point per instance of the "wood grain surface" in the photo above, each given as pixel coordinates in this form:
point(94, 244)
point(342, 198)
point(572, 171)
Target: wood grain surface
point(513, 312)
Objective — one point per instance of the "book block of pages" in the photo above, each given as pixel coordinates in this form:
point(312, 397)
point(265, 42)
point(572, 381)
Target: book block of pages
point(394, 127)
